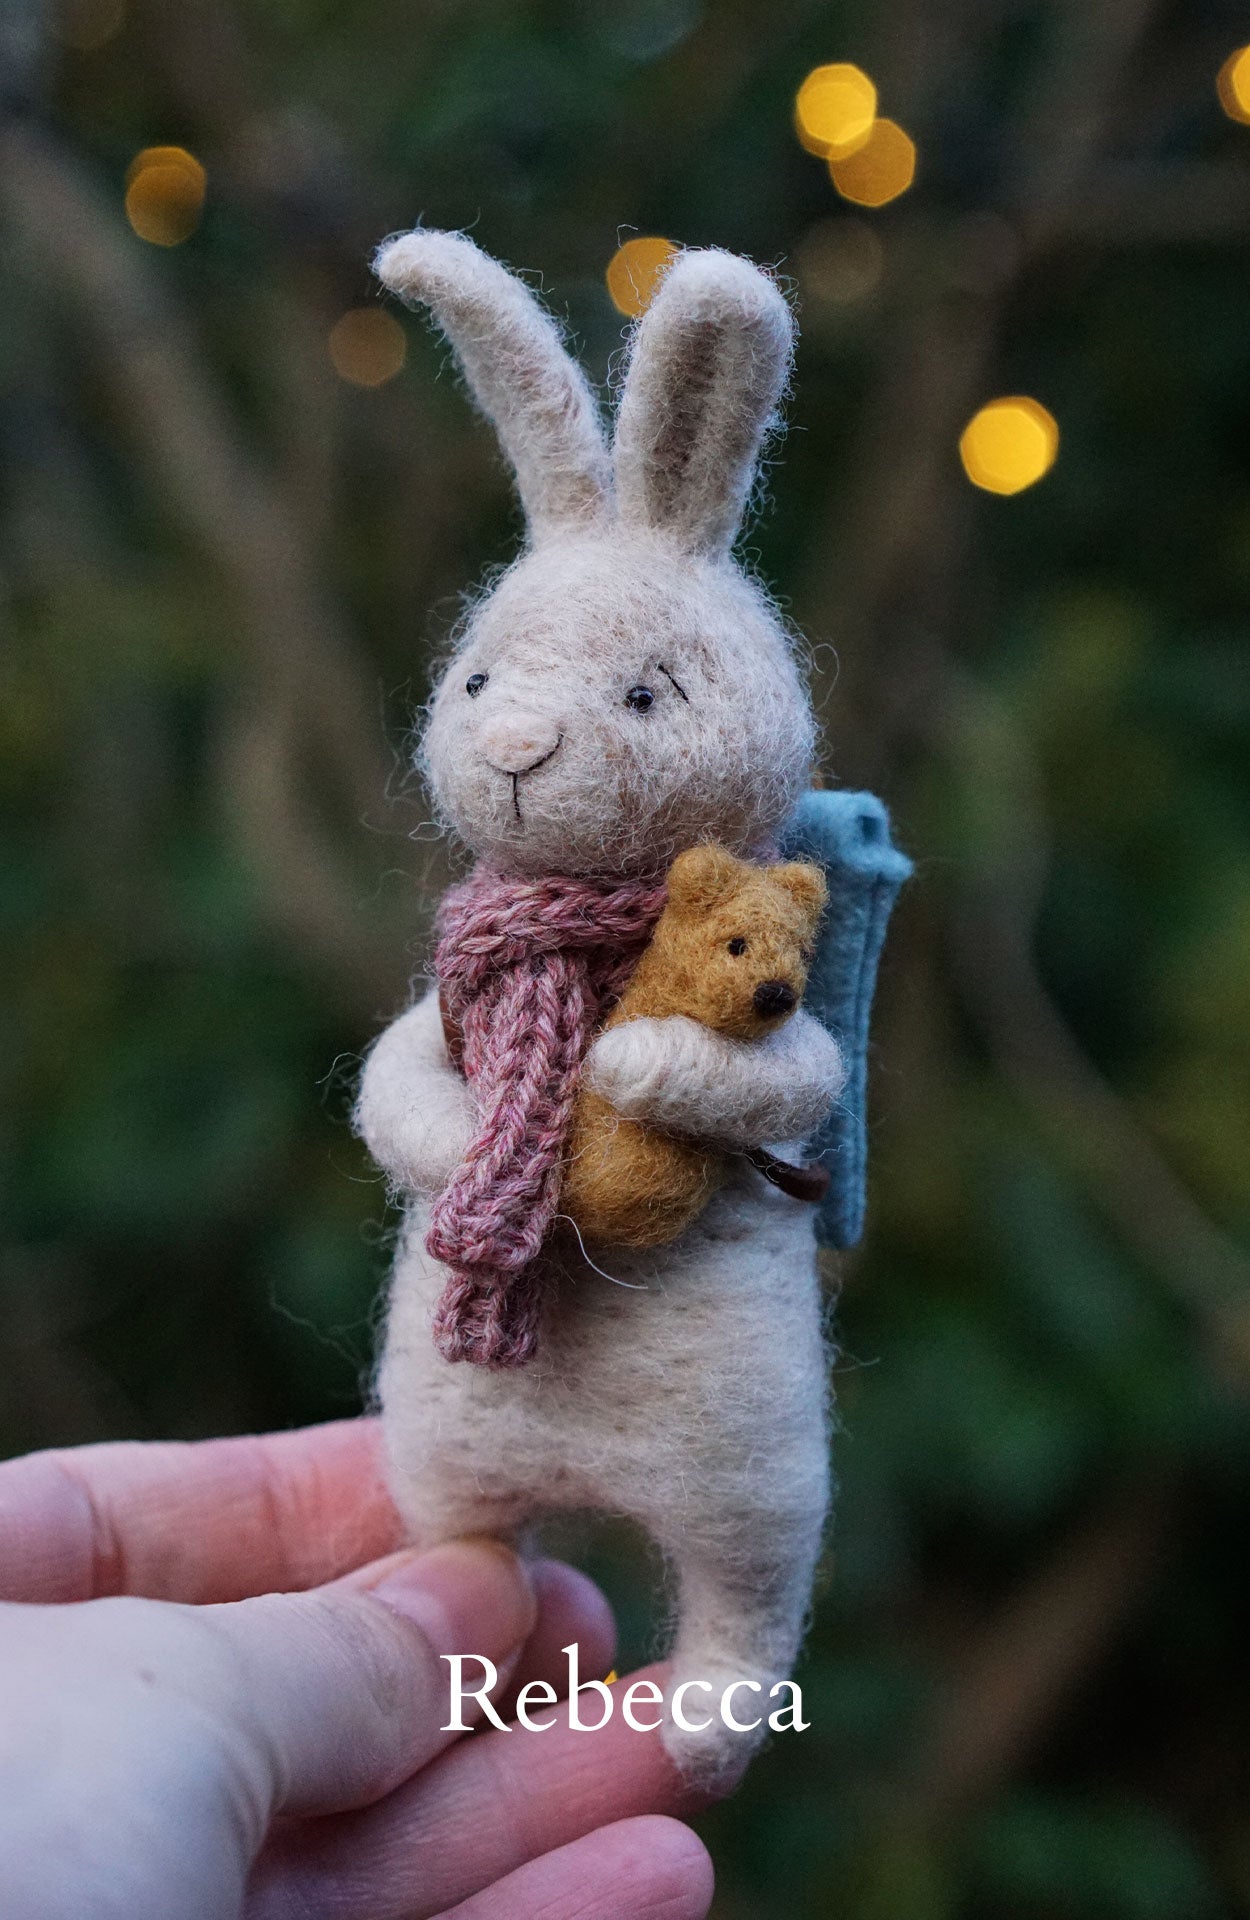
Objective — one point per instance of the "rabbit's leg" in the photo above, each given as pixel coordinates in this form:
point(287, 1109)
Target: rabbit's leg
point(460, 1441)
point(438, 1504)
point(741, 1607)
point(445, 1451)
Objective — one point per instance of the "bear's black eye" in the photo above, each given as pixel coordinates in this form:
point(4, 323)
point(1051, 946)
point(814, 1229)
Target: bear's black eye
point(640, 698)
point(474, 684)
point(737, 947)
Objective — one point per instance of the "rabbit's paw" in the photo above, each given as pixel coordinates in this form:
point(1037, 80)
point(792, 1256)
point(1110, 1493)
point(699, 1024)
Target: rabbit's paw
point(715, 1722)
point(635, 1066)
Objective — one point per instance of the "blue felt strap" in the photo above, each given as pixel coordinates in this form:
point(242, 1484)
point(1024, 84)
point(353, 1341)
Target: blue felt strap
point(848, 834)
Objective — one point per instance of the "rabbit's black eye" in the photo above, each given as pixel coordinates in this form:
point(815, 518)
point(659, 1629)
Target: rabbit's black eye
point(474, 684)
point(737, 947)
point(640, 698)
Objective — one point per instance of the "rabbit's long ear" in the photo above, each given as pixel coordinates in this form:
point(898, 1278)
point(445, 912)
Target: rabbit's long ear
point(525, 382)
point(708, 366)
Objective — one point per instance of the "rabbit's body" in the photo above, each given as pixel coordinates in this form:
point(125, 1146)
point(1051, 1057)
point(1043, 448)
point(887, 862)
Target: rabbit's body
point(690, 1397)
point(625, 692)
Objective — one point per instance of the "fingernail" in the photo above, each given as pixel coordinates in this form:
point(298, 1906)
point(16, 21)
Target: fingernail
point(470, 1596)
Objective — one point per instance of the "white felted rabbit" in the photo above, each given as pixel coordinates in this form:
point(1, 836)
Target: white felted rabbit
point(623, 692)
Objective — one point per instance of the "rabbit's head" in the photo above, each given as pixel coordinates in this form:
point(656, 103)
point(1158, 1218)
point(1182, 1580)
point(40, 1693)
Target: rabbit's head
point(624, 690)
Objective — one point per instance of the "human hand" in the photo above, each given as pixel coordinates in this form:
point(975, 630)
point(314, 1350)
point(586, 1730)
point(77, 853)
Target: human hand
point(215, 1719)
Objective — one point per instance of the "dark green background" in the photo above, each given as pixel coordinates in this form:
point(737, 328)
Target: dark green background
point(223, 572)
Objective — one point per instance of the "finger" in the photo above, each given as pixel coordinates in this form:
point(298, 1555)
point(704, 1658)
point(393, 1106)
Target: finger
point(646, 1869)
point(332, 1698)
point(492, 1803)
point(213, 1521)
point(570, 1608)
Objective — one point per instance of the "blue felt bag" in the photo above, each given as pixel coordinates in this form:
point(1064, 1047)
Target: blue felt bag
point(848, 834)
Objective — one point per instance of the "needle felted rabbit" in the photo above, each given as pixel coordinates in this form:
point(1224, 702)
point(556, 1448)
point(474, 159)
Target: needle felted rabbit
point(624, 691)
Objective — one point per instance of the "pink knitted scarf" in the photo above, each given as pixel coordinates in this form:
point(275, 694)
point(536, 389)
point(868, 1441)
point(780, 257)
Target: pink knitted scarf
point(526, 970)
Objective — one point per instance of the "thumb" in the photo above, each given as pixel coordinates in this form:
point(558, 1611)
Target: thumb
point(341, 1694)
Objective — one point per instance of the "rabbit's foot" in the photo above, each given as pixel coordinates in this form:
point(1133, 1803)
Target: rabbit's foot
point(715, 1721)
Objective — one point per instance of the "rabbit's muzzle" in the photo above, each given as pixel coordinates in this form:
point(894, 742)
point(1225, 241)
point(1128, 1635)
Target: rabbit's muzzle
point(517, 743)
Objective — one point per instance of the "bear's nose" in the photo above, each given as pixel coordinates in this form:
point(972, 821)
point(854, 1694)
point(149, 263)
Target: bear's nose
point(774, 996)
point(517, 742)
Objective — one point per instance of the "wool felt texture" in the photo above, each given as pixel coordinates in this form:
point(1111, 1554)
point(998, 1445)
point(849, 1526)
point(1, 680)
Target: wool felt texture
point(527, 969)
point(538, 399)
point(730, 951)
point(546, 768)
point(777, 1090)
point(624, 691)
point(706, 375)
point(849, 835)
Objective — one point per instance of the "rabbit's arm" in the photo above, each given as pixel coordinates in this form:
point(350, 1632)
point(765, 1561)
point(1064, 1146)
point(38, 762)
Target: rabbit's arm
point(682, 1078)
point(414, 1111)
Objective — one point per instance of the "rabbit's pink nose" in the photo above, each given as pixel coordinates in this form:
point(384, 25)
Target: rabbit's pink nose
point(517, 742)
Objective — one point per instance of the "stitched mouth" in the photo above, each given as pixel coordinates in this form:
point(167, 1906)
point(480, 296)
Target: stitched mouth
point(516, 778)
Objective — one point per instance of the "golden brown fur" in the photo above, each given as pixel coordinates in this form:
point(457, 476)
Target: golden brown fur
point(627, 1185)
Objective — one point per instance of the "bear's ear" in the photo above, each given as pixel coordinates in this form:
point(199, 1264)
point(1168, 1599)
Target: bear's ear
point(805, 883)
point(700, 877)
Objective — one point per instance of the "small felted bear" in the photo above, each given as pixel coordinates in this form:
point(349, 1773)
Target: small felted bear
point(730, 950)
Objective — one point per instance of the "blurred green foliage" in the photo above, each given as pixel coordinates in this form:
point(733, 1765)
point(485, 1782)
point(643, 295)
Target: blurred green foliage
point(1026, 1681)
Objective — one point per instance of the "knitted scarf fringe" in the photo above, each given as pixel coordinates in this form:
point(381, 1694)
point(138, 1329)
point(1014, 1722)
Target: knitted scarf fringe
point(527, 969)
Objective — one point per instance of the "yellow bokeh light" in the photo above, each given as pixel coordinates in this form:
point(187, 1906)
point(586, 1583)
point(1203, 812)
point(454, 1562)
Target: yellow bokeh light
point(880, 170)
point(165, 189)
point(1009, 444)
point(367, 346)
point(176, 157)
point(834, 110)
point(1232, 83)
point(635, 271)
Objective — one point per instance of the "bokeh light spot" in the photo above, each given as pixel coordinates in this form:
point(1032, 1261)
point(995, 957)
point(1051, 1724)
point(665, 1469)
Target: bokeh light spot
point(839, 261)
point(878, 171)
point(635, 271)
point(1009, 444)
point(87, 25)
point(1232, 84)
point(165, 189)
point(367, 346)
point(834, 110)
